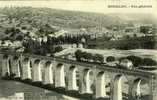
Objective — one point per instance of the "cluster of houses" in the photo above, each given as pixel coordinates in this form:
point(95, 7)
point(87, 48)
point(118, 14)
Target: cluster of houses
point(139, 30)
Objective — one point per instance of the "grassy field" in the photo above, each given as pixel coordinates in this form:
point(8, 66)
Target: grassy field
point(123, 53)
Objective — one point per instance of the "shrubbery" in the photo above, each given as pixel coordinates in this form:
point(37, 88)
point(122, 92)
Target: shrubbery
point(85, 56)
point(149, 62)
point(98, 58)
point(135, 60)
point(138, 61)
point(78, 55)
point(110, 59)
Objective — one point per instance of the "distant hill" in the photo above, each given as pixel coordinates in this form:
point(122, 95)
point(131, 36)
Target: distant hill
point(37, 17)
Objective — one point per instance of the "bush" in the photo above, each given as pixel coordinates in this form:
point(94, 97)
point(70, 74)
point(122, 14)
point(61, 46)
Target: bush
point(89, 56)
point(137, 61)
point(78, 55)
point(19, 37)
point(84, 55)
point(126, 63)
point(149, 62)
point(110, 59)
point(58, 49)
point(98, 58)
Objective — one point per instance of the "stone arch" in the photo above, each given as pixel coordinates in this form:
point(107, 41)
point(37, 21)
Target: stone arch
point(20, 66)
point(48, 73)
point(136, 87)
point(6, 66)
point(108, 83)
point(120, 87)
point(31, 67)
point(60, 75)
point(117, 88)
point(88, 79)
point(36, 69)
point(26, 69)
point(100, 85)
point(145, 89)
point(72, 78)
point(16, 65)
point(125, 86)
point(10, 67)
point(140, 89)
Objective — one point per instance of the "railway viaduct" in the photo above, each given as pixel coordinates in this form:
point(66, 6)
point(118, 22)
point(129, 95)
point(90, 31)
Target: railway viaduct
point(88, 80)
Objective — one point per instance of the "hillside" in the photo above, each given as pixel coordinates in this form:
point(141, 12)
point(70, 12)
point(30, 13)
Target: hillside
point(35, 18)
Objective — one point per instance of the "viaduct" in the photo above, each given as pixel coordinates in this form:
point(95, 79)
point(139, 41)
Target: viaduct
point(96, 81)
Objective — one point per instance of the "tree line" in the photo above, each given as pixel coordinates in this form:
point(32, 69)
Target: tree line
point(139, 61)
point(42, 48)
point(67, 39)
point(98, 58)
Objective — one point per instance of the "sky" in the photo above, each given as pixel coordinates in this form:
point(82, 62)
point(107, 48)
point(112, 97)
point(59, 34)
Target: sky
point(99, 6)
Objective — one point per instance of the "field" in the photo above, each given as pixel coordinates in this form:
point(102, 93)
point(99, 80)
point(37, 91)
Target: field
point(122, 53)
point(116, 53)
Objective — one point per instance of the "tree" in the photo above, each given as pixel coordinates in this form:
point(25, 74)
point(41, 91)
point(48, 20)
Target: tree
point(23, 27)
point(101, 58)
point(137, 61)
point(149, 62)
point(84, 56)
point(110, 59)
point(78, 55)
point(17, 31)
point(58, 49)
point(19, 37)
point(145, 29)
point(7, 31)
point(89, 56)
point(98, 58)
